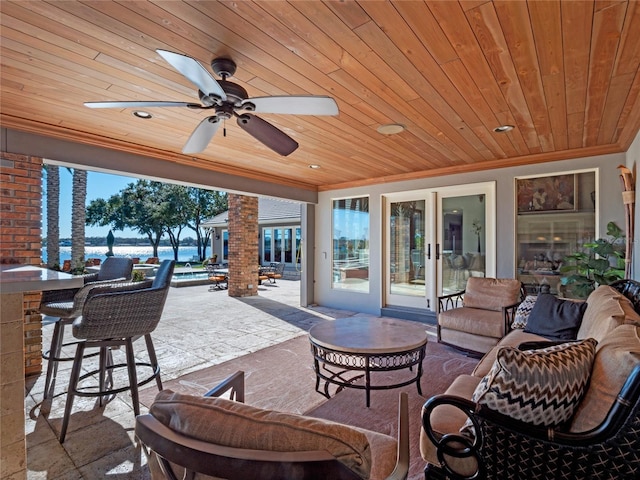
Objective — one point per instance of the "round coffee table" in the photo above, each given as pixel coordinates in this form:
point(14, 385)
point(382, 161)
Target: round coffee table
point(368, 345)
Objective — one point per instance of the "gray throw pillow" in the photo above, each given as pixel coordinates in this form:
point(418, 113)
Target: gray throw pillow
point(555, 318)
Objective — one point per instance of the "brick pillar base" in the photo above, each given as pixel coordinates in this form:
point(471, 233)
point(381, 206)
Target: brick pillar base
point(20, 238)
point(243, 245)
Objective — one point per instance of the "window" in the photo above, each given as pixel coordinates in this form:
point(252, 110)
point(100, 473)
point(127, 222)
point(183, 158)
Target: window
point(350, 230)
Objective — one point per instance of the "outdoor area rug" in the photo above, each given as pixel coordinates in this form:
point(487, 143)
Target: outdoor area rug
point(441, 366)
point(281, 377)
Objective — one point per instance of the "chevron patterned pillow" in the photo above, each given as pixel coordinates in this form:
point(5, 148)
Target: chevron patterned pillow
point(542, 387)
point(523, 311)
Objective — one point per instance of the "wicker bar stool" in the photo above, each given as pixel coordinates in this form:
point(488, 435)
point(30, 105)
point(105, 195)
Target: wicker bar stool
point(113, 319)
point(66, 305)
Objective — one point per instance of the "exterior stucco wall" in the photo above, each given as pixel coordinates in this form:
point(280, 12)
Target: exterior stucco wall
point(610, 209)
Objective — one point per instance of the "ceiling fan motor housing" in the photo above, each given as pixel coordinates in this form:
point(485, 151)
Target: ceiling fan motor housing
point(223, 67)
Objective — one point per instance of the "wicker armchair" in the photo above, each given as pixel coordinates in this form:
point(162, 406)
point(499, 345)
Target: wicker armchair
point(66, 305)
point(505, 448)
point(113, 317)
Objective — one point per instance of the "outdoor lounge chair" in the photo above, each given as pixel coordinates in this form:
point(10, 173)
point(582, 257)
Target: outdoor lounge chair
point(507, 448)
point(277, 270)
point(184, 435)
point(220, 280)
point(476, 318)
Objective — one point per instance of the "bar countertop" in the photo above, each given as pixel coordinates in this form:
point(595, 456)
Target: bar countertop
point(28, 278)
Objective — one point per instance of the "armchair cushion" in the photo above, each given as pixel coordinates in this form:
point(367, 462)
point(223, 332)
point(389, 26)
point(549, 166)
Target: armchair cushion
point(475, 321)
point(491, 293)
point(555, 318)
point(258, 429)
point(540, 387)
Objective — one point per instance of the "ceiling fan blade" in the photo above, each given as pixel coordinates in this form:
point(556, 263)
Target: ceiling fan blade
point(263, 131)
point(295, 104)
point(194, 72)
point(201, 136)
point(138, 104)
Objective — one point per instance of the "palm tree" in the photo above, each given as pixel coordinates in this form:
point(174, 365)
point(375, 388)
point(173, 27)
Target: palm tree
point(78, 214)
point(53, 215)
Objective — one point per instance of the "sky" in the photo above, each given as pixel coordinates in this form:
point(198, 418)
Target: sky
point(99, 185)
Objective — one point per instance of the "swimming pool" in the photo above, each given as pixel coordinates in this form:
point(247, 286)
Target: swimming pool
point(185, 277)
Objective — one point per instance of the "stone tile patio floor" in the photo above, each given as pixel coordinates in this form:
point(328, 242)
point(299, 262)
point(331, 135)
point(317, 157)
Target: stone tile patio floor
point(199, 328)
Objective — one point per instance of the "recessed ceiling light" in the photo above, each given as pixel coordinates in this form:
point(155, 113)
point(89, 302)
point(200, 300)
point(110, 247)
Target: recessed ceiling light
point(314, 166)
point(503, 128)
point(391, 128)
point(141, 114)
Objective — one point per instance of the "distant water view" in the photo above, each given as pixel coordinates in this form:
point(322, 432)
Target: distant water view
point(185, 254)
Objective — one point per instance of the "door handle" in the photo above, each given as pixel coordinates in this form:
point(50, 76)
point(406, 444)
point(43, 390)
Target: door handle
point(428, 251)
point(437, 251)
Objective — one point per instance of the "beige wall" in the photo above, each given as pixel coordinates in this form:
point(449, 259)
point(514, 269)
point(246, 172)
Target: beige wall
point(610, 209)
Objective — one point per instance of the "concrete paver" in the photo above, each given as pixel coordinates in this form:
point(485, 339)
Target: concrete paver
point(199, 328)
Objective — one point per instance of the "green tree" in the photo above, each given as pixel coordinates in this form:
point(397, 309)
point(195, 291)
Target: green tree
point(136, 207)
point(154, 208)
point(52, 173)
point(204, 204)
point(175, 206)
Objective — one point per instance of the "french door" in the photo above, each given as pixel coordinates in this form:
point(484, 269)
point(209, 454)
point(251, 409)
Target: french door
point(435, 240)
point(281, 244)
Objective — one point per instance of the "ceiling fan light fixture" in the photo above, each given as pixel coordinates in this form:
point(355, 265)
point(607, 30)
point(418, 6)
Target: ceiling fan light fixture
point(503, 128)
point(142, 114)
point(314, 166)
point(391, 128)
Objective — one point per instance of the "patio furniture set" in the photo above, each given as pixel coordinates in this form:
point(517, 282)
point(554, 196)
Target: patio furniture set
point(218, 274)
point(250, 442)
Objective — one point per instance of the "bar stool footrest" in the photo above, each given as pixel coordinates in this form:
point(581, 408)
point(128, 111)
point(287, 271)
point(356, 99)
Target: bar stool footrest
point(82, 391)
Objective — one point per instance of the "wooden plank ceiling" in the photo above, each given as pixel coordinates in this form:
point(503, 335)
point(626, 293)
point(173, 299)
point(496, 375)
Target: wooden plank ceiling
point(564, 73)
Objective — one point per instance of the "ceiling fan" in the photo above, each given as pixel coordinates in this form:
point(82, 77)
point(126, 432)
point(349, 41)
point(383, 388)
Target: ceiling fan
point(228, 100)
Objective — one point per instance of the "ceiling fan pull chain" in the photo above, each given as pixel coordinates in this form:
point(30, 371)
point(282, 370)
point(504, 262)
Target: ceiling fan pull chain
point(224, 127)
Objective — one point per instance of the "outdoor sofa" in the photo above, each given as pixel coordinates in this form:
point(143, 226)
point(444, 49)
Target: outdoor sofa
point(540, 406)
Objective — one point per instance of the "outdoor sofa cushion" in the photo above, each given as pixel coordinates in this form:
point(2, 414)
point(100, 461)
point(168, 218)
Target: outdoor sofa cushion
point(616, 356)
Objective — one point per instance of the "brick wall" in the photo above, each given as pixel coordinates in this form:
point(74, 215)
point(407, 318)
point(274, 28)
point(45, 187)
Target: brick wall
point(243, 245)
point(20, 234)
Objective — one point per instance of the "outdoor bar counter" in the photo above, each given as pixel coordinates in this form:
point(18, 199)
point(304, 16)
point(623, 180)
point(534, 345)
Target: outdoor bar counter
point(14, 281)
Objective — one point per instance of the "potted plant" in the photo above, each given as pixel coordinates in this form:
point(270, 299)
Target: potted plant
point(598, 263)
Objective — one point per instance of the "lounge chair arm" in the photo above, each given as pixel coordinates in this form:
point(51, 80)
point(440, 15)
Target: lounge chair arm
point(401, 471)
point(234, 382)
point(452, 300)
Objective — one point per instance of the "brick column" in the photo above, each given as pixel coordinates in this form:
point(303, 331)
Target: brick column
point(20, 324)
point(20, 238)
point(243, 245)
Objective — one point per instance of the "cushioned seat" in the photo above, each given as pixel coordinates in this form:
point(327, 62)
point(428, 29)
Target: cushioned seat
point(223, 438)
point(114, 317)
point(553, 418)
point(488, 305)
point(66, 305)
